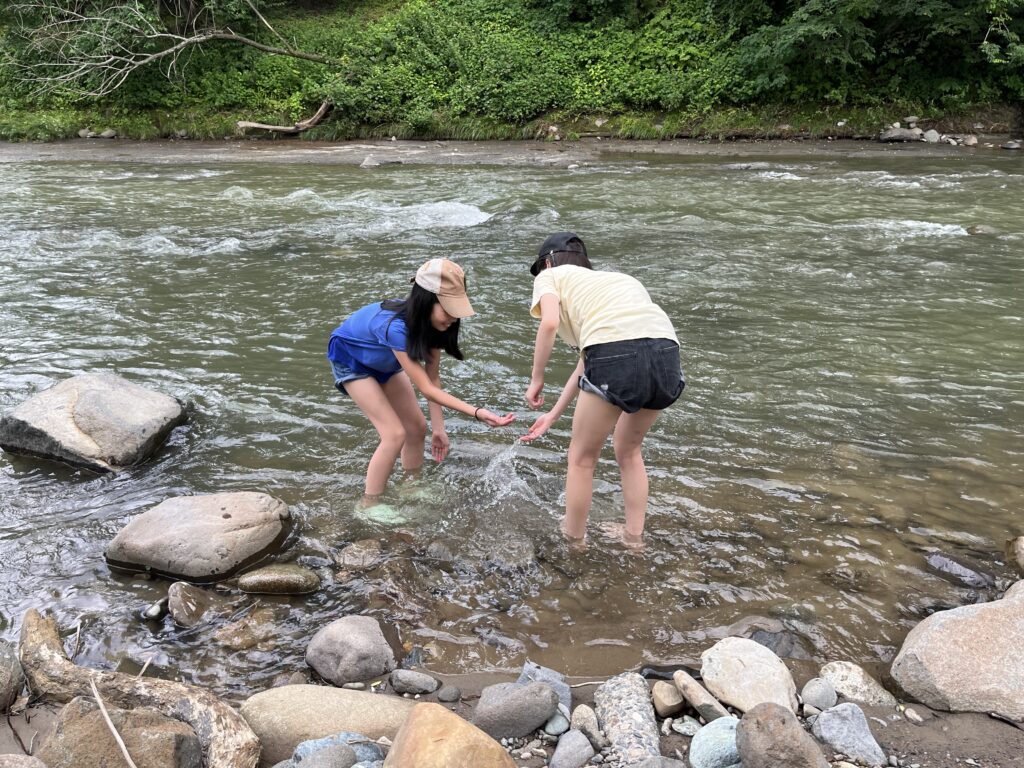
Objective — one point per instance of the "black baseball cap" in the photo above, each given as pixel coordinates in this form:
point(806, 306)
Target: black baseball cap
point(559, 242)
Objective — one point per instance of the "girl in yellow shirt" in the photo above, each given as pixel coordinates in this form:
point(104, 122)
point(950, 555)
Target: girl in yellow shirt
point(628, 372)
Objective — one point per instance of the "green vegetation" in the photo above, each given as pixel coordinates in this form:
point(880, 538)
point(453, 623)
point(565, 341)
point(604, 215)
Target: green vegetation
point(476, 69)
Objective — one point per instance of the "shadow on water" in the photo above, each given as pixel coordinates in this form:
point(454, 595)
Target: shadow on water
point(849, 440)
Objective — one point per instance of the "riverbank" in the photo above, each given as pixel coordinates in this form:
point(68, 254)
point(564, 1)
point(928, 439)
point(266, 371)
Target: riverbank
point(499, 153)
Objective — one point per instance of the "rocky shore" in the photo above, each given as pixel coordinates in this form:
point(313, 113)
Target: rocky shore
point(954, 693)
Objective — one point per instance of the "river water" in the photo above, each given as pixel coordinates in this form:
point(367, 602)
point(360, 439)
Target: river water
point(855, 398)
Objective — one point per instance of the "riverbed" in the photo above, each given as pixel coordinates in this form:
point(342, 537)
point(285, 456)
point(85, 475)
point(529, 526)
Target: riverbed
point(855, 396)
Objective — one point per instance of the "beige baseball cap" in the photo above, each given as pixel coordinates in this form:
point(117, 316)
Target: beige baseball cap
point(446, 279)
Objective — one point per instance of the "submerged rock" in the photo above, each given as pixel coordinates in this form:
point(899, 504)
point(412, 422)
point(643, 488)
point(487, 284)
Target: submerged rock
point(189, 605)
point(201, 538)
point(960, 571)
point(98, 421)
point(279, 579)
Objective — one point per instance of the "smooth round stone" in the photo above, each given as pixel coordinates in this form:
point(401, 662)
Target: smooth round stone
point(819, 693)
point(449, 694)
point(279, 579)
point(557, 725)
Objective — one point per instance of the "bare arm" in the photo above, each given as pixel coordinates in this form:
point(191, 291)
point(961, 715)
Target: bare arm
point(421, 380)
point(569, 392)
point(545, 341)
point(433, 368)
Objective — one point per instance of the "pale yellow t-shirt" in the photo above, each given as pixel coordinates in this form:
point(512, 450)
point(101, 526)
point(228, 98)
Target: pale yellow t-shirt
point(599, 307)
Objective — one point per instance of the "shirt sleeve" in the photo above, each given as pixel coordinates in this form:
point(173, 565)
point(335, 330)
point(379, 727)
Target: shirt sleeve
point(542, 284)
point(395, 334)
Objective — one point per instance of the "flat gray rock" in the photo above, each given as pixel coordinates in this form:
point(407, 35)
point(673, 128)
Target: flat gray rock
point(201, 538)
point(189, 605)
point(98, 421)
point(845, 729)
point(511, 710)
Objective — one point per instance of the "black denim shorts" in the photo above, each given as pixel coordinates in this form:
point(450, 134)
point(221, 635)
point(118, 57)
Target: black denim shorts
point(634, 374)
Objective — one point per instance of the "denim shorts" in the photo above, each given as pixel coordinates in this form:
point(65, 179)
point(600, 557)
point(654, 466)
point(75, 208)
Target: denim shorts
point(634, 374)
point(343, 373)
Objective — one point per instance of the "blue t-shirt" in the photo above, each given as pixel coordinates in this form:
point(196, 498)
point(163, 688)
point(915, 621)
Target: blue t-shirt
point(366, 340)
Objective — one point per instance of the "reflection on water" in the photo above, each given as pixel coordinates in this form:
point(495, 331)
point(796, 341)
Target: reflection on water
point(855, 401)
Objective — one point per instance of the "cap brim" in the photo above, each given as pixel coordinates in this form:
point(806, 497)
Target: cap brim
point(456, 306)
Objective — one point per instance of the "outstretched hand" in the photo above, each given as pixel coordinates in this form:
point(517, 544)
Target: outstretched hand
point(540, 426)
point(494, 420)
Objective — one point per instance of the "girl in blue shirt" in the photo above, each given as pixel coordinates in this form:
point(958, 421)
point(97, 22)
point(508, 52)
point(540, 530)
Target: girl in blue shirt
point(383, 349)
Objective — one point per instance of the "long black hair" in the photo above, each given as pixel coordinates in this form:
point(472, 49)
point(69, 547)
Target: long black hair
point(420, 334)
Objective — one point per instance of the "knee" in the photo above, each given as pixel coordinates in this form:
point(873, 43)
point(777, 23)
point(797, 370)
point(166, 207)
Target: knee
point(417, 431)
point(628, 454)
point(393, 437)
point(580, 459)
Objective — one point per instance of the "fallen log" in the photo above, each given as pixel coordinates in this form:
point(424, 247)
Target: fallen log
point(299, 127)
point(227, 740)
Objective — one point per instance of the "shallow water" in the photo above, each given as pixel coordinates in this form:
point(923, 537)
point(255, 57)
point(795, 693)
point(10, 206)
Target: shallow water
point(855, 398)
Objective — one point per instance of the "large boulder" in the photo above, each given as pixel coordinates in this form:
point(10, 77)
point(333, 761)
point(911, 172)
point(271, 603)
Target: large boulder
point(968, 659)
point(98, 421)
point(201, 538)
point(81, 737)
point(433, 737)
point(285, 717)
point(349, 650)
point(744, 673)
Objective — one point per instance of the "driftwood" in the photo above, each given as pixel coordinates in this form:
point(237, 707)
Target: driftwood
point(707, 705)
point(227, 740)
point(299, 127)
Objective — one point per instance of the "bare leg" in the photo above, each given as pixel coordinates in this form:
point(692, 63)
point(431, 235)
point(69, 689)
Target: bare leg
point(591, 424)
point(629, 436)
point(369, 396)
point(402, 397)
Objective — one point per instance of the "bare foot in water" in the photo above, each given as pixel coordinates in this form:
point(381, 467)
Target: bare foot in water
point(576, 543)
point(618, 532)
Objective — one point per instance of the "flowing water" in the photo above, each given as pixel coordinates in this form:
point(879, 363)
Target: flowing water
point(855, 399)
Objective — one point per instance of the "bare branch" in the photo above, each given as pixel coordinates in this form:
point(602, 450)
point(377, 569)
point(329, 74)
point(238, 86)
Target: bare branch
point(91, 54)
